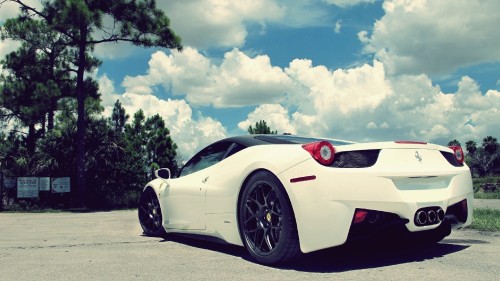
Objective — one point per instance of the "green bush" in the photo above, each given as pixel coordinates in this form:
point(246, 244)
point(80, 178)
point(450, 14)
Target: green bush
point(486, 219)
point(480, 193)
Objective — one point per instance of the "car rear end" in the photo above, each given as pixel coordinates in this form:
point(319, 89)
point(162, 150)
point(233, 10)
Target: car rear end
point(345, 192)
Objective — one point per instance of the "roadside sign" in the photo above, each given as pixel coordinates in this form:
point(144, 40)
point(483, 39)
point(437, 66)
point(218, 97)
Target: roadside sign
point(61, 185)
point(44, 184)
point(27, 187)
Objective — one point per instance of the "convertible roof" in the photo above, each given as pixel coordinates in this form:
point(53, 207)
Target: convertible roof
point(251, 140)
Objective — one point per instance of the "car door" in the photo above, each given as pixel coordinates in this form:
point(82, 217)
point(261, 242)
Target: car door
point(185, 208)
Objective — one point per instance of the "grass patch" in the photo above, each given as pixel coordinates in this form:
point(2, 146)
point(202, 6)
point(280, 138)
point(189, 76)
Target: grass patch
point(486, 219)
point(478, 184)
point(487, 195)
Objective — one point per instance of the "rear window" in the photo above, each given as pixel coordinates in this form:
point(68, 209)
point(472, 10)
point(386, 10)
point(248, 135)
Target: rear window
point(288, 139)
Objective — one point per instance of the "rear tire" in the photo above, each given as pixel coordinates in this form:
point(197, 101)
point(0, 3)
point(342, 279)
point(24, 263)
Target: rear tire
point(266, 220)
point(149, 212)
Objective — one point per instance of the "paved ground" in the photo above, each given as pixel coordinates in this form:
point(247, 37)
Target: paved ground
point(109, 246)
point(487, 203)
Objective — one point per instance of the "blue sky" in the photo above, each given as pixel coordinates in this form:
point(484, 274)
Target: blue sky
point(360, 70)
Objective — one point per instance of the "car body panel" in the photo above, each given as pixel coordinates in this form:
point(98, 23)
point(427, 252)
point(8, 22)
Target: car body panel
point(405, 178)
point(324, 208)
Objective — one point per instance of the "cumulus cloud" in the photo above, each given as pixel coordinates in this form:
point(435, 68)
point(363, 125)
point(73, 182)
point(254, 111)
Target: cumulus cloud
point(238, 81)
point(361, 103)
point(222, 23)
point(346, 91)
point(8, 46)
point(190, 131)
point(364, 104)
point(435, 37)
point(275, 115)
point(348, 3)
point(226, 23)
point(10, 9)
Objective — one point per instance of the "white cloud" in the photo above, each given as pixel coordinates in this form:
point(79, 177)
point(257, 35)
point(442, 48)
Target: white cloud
point(339, 92)
point(109, 50)
point(189, 132)
point(238, 81)
point(364, 104)
point(113, 50)
point(338, 26)
point(435, 37)
point(8, 46)
point(371, 125)
point(275, 115)
point(304, 13)
point(361, 103)
point(10, 9)
point(226, 23)
point(222, 23)
point(108, 94)
point(348, 3)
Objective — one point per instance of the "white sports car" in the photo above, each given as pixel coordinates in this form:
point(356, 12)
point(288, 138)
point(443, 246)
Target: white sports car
point(282, 195)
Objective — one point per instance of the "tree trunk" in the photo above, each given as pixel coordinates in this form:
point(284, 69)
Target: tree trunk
point(81, 126)
point(31, 139)
point(50, 118)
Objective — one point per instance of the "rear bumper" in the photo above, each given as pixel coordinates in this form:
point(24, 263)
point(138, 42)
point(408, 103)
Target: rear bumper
point(324, 207)
point(387, 226)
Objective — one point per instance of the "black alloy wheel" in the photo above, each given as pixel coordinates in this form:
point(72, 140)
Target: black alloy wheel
point(150, 214)
point(266, 220)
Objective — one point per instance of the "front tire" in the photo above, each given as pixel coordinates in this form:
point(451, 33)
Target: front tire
point(266, 220)
point(150, 214)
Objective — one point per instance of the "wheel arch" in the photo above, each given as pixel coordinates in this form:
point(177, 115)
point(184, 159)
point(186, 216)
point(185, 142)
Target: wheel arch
point(154, 185)
point(240, 193)
point(150, 219)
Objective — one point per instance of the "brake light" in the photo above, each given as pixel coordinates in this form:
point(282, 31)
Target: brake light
point(360, 216)
point(321, 151)
point(458, 152)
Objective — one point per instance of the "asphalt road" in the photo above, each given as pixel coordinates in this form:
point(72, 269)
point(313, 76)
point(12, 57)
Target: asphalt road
point(110, 246)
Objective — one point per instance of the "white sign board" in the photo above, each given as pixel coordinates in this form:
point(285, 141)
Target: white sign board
point(27, 187)
point(44, 184)
point(9, 183)
point(60, 185)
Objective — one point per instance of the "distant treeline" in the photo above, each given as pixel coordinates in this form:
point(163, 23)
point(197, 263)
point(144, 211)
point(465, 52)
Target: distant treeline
point(120, 158)
point(483, 160)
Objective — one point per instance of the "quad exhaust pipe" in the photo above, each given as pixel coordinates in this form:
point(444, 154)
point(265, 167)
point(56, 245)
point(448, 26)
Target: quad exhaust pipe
point(440, 214)
point(429, 216)
point(421, 218)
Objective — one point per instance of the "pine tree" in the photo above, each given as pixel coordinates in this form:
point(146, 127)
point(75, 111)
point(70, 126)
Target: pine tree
point(261, 128)
point(77, 21)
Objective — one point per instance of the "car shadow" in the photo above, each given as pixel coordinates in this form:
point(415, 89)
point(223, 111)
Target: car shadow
point(356, 257)
point(343, 258)
point(207, 243)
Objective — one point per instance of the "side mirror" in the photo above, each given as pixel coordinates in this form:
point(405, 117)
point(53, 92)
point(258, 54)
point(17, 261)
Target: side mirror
point(163, 173)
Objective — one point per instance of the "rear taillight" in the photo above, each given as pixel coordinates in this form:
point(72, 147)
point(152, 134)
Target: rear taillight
point(321, 151)
point(360, 216)
point(459, 153)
